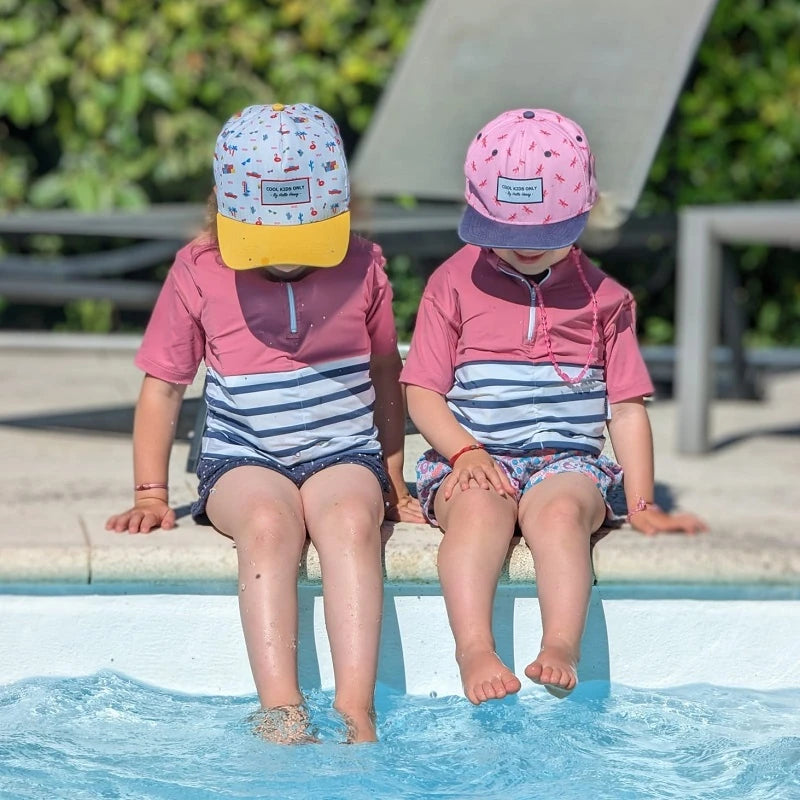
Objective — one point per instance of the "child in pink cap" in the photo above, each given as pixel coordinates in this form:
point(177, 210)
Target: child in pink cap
point(523, 353)
point(292, 315)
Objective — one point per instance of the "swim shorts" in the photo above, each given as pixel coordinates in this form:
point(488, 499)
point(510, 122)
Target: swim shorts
point(524, 471)
point(210, 470)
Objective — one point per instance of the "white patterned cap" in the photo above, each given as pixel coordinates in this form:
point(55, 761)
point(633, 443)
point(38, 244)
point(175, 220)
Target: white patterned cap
point(282, 187)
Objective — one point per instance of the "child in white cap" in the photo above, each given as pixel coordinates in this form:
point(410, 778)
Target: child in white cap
point(292, 314)
point(523, 353)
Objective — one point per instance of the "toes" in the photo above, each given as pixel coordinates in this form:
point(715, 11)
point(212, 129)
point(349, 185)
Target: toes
point(495, 689)
point(479, 694)
point(498, 687)
point(485, 677)
point(552, 675)
point(561, 678)
point(534, 672)
point(557, 677)
point(488, 690)
point(561, 682)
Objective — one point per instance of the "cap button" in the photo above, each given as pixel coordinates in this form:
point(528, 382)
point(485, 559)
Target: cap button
point(278, 106)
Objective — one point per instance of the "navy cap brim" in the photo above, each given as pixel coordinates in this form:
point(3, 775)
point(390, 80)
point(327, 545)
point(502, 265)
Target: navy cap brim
point(474, 228)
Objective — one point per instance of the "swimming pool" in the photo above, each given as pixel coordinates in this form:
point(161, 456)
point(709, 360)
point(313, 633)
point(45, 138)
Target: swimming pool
point(143, 692)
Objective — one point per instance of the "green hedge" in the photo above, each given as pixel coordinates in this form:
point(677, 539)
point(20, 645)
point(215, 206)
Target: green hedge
point(735, 137)
point(117, 104)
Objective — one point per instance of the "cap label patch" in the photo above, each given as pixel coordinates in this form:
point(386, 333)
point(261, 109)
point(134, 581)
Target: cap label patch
point(519, 190)
point(284, 193)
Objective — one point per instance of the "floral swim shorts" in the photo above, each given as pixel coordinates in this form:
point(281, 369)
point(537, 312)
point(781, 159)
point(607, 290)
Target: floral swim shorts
point(524, 471)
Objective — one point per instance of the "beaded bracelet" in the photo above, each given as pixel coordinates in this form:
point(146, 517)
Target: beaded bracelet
point(642, 505)
point(463, 450)
point(143, 487)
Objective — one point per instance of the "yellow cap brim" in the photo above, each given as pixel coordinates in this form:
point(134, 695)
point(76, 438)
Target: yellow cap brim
point(244, 245)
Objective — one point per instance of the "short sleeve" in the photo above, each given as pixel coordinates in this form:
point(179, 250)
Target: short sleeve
point(432, 355)
point(173, 344)
point(380, 317)
point(626, 372)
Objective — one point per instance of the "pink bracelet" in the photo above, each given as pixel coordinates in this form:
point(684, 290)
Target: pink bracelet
point(641, 505)
point(143, 487)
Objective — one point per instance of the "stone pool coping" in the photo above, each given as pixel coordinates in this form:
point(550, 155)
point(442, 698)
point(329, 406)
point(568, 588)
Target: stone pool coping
point(67, 467)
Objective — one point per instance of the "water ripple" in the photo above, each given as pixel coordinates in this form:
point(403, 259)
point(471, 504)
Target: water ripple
point(104, 736)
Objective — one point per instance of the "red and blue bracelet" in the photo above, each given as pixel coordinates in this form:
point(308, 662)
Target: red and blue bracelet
point(452, 460)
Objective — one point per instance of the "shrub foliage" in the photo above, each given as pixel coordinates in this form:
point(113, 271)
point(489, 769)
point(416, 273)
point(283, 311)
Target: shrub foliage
point(117, 103)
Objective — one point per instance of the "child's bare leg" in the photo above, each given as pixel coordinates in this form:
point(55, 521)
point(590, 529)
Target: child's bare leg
point(343, 507)
point(479, 524)
point(262, 512)
point(557, 517)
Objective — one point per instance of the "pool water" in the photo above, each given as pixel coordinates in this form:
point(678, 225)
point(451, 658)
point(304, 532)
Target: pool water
point(106, 736)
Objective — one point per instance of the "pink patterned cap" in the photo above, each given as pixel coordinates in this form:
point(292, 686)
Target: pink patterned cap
point(530, 182)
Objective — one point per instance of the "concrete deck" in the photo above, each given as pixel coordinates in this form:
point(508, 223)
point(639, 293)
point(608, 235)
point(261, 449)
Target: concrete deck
point(64, 433)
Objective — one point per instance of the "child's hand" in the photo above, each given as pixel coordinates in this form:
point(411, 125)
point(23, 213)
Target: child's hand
point(145, 516)
point(405, 509)
point(653, 520)
point(478, 466)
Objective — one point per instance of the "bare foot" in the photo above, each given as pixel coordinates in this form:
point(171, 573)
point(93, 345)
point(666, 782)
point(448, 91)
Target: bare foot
point(485, 677)
point(556, 668)
point(283, 725)
point(360, 726)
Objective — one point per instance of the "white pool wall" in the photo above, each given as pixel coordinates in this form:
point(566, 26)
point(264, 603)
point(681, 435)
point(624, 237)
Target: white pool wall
point(193, 643)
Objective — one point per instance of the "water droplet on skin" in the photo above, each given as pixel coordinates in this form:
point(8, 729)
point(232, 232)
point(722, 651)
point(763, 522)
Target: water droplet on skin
point(244, 586)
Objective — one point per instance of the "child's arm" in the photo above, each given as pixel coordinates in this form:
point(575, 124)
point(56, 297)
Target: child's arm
point(390, 420)
point(441, 429)
point(632, 439)
point(153, 433)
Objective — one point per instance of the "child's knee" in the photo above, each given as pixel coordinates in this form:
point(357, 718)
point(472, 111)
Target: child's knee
point(354, 522)
point(269, 527)
point(562, 511)
point(475, 505)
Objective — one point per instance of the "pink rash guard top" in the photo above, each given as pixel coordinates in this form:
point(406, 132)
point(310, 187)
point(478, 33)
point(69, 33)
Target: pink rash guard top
point(479, 342)
point(287, 359)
